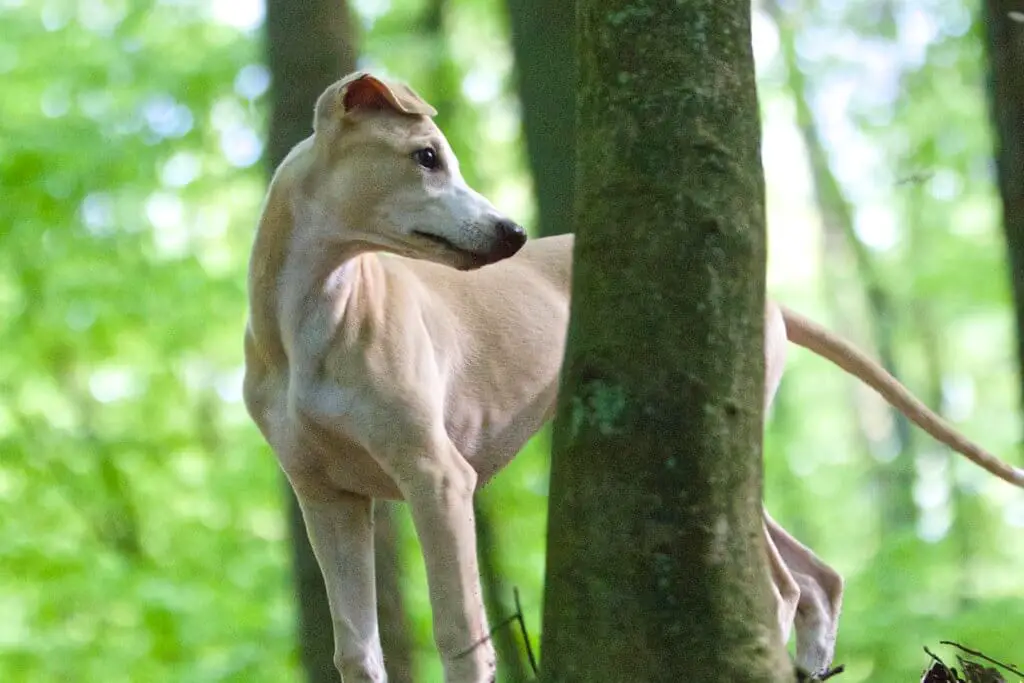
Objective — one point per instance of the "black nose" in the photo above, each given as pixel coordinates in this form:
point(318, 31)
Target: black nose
point(511, 236)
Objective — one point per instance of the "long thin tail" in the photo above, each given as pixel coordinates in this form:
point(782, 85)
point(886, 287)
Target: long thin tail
point(815, 338)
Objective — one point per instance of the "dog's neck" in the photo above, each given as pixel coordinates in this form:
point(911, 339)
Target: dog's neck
point(303, 266)
point(265, 263)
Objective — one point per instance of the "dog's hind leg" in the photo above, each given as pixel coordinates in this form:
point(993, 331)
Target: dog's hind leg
point(340, 528)
point(784, 587)
point(821, 594)
point(808, 592)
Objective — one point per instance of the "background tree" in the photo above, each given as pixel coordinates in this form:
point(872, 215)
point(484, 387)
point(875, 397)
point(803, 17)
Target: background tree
point(1004, 33)
point(543, 41)
point(656, 569)
point(309, 46)
point(853, 274)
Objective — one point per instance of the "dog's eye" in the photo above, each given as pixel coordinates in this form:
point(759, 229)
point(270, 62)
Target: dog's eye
point(427, 158)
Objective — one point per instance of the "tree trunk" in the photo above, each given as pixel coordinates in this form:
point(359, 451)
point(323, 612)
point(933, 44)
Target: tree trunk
point(394, 627)
point(1004, 29)
point(309, 46)
point(542, 41)
point(511, 665)
point(656, 565)
point(316, 642)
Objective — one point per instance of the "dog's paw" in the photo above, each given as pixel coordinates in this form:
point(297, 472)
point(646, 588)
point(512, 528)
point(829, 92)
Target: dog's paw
point(803, 676)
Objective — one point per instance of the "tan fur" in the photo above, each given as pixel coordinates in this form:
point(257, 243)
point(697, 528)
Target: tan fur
point(383, 361)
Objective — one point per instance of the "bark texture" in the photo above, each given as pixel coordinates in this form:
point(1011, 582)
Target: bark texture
point(1004, 30)
point(309, 46)
point(543, 40)
point(656, 569)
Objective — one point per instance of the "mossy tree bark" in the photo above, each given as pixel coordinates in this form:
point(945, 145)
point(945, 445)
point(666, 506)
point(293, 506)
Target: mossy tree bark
point(1004, 32)
point(656, 568)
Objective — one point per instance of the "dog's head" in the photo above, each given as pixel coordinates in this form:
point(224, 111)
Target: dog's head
point(385, 170)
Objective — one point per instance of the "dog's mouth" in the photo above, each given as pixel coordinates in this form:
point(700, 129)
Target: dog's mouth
point(464, 259)
point(437, 239)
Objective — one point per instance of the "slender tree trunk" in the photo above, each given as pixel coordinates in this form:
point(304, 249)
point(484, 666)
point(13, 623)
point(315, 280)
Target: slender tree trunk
point(964, 523)
point(309, 46)
point(316, 642)
point(511, 664)
point(394, 627)
point(656, 565)
point(1004, 30)
point(543, 43)
point(894, 480)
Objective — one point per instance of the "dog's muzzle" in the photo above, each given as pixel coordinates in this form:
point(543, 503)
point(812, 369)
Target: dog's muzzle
point(509, 237)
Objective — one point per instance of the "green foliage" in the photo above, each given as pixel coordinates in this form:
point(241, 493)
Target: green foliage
point(142, 535)
point(901, 103)
point(128, 480)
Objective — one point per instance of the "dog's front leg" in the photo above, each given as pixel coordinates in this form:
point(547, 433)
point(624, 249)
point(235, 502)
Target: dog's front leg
point(439, 488)
point(340, 528)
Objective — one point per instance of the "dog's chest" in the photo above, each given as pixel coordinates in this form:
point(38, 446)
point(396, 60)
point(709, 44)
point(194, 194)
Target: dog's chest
point(333, 460)
point(489, 432)
point(312, 457)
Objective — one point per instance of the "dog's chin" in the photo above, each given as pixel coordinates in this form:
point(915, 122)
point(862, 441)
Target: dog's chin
point(466, 260)
point(446, 253)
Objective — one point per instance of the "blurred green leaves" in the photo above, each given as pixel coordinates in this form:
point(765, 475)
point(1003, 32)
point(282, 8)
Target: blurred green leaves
point(131, 483)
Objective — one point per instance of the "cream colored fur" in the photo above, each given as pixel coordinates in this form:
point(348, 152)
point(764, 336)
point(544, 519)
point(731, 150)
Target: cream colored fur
point(397, 349)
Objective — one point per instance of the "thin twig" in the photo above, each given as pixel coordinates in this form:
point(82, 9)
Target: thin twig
point(984, 656)
point(518, 617)
point(501, 624)
point(522, 630)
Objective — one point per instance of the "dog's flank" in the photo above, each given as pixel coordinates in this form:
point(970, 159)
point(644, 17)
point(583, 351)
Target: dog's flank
point(404, 343)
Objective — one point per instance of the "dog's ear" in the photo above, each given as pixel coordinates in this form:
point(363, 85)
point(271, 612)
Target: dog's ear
point(362, 91)
point(368, 92)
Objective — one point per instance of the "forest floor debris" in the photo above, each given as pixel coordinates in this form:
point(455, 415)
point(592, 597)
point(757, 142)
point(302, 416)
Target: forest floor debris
point(971, 671)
